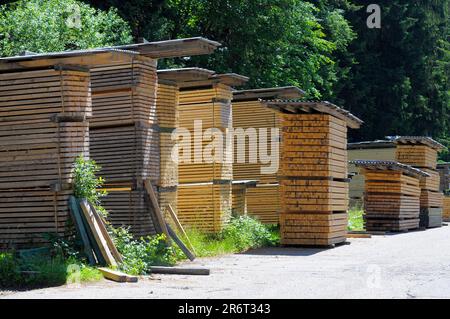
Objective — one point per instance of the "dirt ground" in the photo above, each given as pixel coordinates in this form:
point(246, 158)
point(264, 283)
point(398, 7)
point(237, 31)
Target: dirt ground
point(407, 265)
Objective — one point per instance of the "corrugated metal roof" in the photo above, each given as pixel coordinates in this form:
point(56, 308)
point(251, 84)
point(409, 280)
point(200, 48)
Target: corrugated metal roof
point(72, 53)
point(389, 165)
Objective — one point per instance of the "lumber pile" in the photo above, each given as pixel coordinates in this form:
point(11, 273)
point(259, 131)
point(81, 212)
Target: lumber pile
point(421, 152)
point(250, 114)
point(167, 109)
point(43, 128)
point(392, 195)
point(205, 190)
point(444, 172)
point(367, 150)
point(313, 176)
point(125, 138)
point(204, 206)
point(446, 209)
point(240, 189)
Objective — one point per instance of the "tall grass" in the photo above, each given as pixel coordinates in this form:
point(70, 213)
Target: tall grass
point(355, 219)
point(242, 233)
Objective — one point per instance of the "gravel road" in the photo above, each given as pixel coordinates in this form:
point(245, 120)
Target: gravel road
point(407, 265)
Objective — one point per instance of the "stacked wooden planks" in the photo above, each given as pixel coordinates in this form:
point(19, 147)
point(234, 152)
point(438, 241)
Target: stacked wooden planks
point(250, 114)
point(367, 150)
point(125, 139)
point(240, 191)
point(204, 206)
point(444, 172)
point(446, 209)
point(421, 152)
point(43, 128)
point(205, 190)
point(392, 195)
point(313, 176)
point(167, 112)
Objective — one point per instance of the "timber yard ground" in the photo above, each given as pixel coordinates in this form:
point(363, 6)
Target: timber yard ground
point(406, 265)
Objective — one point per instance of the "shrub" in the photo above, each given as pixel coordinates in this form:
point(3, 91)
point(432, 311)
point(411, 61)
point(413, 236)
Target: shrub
point(246, 232)
point(9, 270)
point(242, 233)
point(139, 254)
point(86, 184)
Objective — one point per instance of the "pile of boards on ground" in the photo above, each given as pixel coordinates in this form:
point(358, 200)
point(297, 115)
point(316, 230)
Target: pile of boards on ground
point(252, 118)
point(313, 172)
point(421, 152)
point(392, 195)
point(45, 109)
point(205, 182)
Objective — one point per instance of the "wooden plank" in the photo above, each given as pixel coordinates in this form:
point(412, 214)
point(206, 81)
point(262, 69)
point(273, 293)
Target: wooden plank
point(97, 232)
point(154, 200)
point(117, 276)
point(179, 271)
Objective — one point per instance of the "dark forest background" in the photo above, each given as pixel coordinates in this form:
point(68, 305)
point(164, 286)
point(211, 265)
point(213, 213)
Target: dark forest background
point(395, 78)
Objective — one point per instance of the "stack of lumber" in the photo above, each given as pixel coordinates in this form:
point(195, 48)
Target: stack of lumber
point(167, 110)
point(446, 209)
point(43, 129)
point(444, 172)
point(250, 114)
point(313, 176)
point(125, 138)
point(421, 152)
point(204, 206)
point(392, 195)
point(367, 150)
point(205, 190)
point(240, 196)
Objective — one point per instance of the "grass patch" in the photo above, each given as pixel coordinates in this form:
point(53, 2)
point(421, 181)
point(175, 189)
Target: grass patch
point(241, 234)
point(355, 219)
point(42, 270)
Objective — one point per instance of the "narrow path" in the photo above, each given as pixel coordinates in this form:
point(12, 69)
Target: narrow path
point(409, 265)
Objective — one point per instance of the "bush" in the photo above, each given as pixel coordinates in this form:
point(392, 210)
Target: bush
point(40, 270)
point(241, 234)
point(355, 219)
point(246, 232)
point(9, 270)
point(86, 184)
point(139, 254)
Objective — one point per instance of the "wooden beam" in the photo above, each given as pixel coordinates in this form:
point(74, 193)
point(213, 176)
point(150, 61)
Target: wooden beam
point(97, 232)
point(180, 227)
point(179, 271)
point(154, 201)
point(117, 276)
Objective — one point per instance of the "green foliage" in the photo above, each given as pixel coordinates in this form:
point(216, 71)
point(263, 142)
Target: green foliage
point(400, 85)
point(41, 270)
point(355, 219)
point(9, 270)
point(139, 254)
point(246, 232)
point(86, 184)
point(58, 25)
point(241, 234)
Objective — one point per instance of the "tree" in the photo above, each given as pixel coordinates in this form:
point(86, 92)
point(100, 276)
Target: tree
point(279, 42)
point(400, 83)
point(58, 25)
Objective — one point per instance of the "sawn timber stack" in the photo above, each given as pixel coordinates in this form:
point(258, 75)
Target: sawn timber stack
point(421, 152)
point(313, 172)
point(205, 190)
point(250, 116)
point(392, 195)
